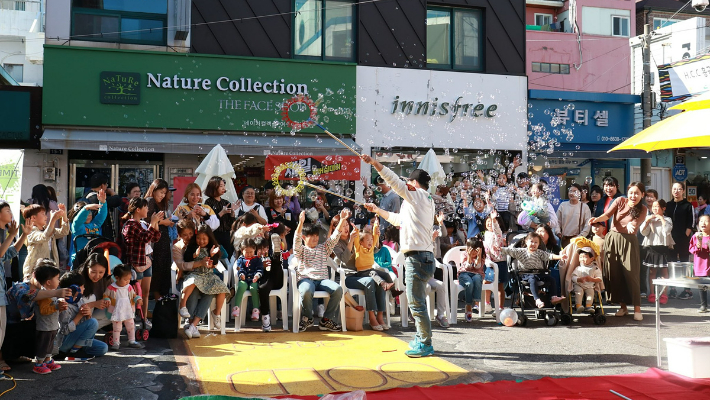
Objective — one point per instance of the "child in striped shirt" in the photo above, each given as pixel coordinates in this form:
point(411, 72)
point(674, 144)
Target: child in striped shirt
point(312, 272)
point(533, 259)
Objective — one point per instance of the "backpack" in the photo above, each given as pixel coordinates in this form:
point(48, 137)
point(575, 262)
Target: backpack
point(165, 317)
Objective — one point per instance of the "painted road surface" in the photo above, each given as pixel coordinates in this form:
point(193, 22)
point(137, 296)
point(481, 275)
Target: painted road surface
point(311, 363)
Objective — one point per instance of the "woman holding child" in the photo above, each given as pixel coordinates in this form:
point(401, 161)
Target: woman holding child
point(621, 247)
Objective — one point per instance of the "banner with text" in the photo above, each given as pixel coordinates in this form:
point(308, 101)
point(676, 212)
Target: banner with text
point(150, 90)
point(683, 79)
point(325, 168)
point(11, 179)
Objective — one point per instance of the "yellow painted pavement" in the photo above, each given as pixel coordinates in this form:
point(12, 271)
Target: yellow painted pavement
point(310, 363)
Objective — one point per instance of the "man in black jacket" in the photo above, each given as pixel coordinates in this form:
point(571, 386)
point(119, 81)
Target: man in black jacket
point(681, 212)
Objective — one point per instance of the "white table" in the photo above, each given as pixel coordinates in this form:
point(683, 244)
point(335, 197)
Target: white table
point(659, 284)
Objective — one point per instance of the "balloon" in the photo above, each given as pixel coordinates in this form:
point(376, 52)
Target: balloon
point(509, 317)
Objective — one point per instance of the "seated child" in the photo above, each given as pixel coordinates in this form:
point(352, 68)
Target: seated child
point(246, 227)
point(38, 241)
point(46, 313)
point(75, 340)
point(204, 245)
point(365, 258)
point(392, 237)
point(249, 269)
point(471, 273)
point(533, 259)
point(122, 308)
point(312, 272)
point(585, 277)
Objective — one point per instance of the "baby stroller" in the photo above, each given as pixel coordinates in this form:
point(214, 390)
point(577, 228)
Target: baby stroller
point(142, 326)
point(566, 269)
point(522, 296)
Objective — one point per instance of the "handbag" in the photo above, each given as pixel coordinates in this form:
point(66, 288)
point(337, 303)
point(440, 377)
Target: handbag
point(165, 317)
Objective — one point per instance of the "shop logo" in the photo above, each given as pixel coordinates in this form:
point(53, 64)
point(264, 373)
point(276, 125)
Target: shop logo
point(120, 88)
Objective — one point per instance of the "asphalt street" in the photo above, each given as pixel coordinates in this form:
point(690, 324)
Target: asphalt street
point(488, 351)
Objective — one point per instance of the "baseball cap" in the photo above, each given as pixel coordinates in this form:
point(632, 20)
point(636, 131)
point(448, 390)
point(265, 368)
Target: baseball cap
point(420, 176)
point(171, 189)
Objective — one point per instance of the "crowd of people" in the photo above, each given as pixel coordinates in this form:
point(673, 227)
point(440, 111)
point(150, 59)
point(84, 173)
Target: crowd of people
point(62, 285)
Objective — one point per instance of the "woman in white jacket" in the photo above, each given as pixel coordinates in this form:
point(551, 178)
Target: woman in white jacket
point(657, 242)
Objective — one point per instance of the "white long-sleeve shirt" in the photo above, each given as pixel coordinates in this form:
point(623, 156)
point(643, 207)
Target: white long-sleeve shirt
point(416, 216)
point(570, 221)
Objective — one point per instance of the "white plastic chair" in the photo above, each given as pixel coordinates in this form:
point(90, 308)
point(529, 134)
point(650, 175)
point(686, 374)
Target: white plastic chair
point(273, 295)
point(361, 298)
point(223, 312)
point(404, 305)
point(456, 254)
point(319, 294)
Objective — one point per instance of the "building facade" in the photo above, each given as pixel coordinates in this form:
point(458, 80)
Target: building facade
point(580, 102)
point(122, 97)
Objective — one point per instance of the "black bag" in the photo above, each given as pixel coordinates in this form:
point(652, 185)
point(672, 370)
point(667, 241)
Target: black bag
point(165, 318)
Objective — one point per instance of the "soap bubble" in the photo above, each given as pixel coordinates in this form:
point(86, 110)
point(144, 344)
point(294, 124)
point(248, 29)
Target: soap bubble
point(313, 195)
point(588, 180)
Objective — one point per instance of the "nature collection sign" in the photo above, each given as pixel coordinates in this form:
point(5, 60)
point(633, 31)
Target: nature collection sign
point(152, 90)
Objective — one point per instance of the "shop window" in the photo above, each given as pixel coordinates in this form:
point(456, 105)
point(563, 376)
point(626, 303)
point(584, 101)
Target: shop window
point(454, 38)
point(323, 29)
point(122, 21)
point(543, 19)
point(659, 23)
point(550, 68)
point(15, 71)
point(619, 26)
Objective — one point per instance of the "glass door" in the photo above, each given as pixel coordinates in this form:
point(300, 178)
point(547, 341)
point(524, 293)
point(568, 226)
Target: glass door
point(143, 175)
point(119, 173)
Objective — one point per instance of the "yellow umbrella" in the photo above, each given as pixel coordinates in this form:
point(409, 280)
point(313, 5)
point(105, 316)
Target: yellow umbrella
point(694, 103)
point(687, 129)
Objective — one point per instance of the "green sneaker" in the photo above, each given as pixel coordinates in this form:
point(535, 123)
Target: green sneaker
point(422, 351)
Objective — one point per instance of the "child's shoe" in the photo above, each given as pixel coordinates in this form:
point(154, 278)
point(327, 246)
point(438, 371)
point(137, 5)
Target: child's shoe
point(266, 323)
point(557, 299)
point(116, 346)
point(396, 293)
point(703, 309)
point(663, 299)
point(195, 332)
point(255, 314)
point(442, 321)
point(580, 310)
point(469, 316)
point(329, 325)
point(52, 365)
point(305, 324)
point(651, 298)
point(41, 369)
point(217, 321)
point(235, 311)
point(184, 313)
point(188, 331)
point(539, 303)
point(135, 345)
point(589, 309)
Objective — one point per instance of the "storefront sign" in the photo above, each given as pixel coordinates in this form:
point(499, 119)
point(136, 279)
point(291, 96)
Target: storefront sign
point(685, 78)
point(11, 179)
point(579, 121)
point(150, 90)
point(316, 167)
point(680, 172)
point(442, 109)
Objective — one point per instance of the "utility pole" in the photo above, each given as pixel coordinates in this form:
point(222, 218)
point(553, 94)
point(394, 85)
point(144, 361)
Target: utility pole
point(646, 99)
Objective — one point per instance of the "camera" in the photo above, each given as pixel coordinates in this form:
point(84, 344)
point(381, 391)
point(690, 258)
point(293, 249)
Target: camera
point(700, 5)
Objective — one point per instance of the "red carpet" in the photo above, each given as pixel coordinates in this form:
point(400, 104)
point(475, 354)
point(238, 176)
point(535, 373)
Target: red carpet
point(653, 384)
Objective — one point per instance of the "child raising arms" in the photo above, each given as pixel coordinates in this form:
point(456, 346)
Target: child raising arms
point(531, 258)
point(42, 233)
point(203, 246)
point(122, 308)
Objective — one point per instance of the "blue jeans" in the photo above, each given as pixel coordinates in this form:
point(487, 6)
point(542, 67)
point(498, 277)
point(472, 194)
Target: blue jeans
point(83, 336)
point(418, 269)
point(375, 297)
point(307, 287)
point(471, 286)
point(198, 304)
